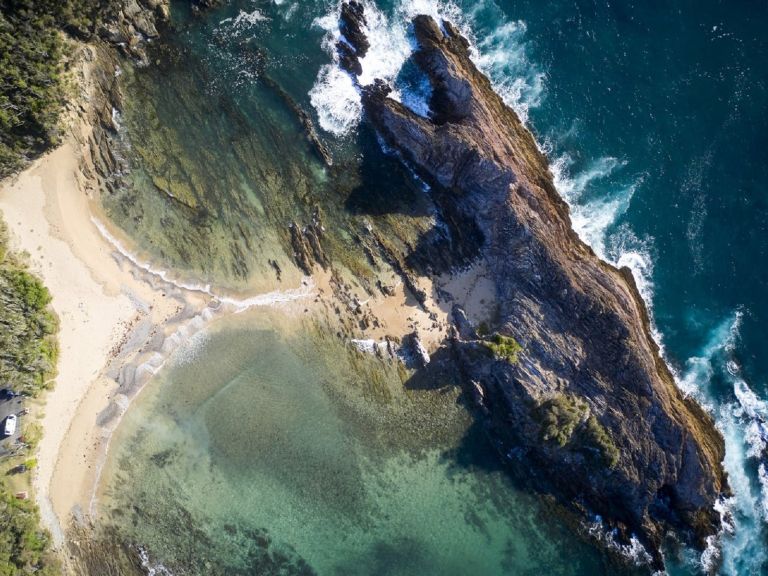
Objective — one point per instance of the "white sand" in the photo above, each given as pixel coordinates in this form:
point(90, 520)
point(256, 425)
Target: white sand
point(49, 217)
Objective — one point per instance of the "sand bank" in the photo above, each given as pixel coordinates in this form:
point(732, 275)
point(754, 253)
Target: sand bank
point(97, 302)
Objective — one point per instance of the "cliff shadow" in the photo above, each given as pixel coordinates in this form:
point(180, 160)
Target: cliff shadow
point(386, 186)
point(454, 242)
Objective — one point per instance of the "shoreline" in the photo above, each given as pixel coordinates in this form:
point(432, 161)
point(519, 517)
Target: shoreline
point(97, 304)
point(122, 317)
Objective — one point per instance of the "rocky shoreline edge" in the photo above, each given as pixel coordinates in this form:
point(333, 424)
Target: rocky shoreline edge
point(577, 397)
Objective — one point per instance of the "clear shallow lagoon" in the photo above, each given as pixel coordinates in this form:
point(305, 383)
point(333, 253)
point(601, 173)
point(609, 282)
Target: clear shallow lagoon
point(655, 117)
point(258, 451)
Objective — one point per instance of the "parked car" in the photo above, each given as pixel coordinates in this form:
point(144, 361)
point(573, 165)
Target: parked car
point(10, 425)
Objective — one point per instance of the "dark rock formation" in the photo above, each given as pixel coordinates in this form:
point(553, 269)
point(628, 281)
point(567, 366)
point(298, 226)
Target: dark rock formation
point(574, 390)
point(134, 23)
point(413, 352)
point(306, 243)
point(354, 44)
point(199, 7)
point(318, 146)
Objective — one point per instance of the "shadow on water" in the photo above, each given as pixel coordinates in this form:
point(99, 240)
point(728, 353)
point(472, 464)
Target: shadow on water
point(385, 186)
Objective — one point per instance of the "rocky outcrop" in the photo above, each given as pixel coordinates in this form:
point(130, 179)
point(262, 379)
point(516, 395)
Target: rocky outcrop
point(199, 7)
point(133, 24)
point(307, 246)
point(354, 43)
point(572, 385)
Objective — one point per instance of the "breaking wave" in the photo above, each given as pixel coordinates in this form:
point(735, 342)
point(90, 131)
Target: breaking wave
point(713, 377)
point(501, 55)
point(595, 218)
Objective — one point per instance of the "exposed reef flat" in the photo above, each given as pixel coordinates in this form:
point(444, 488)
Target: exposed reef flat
point(566, 373)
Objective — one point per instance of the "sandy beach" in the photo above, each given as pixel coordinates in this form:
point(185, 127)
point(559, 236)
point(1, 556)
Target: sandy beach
point(120, 319)
point(97, 302)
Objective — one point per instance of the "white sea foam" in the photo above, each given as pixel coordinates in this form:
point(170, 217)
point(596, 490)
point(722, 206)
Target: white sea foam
point(334, 95)
point(245, 19)
point(742, 422)
point(151, 568)
point(117, 119)
point(590, 218)
point(370, 346)
point(276, 297)
point(501, 55)
point(271, 298)
point(336, 100)
point(633, 551)
point(741, 547)
point(237, 68)
point(595, 219)
point(147, 267)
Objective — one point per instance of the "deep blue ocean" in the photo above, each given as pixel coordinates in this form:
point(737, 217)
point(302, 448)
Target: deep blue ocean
point(655, 118)
point(658, 114)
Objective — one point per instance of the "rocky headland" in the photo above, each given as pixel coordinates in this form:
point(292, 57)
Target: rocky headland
point(565, 374)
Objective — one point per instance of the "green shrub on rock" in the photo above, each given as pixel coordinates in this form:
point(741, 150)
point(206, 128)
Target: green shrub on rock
point(566, 420)
point(504, 347)
point(559, 417)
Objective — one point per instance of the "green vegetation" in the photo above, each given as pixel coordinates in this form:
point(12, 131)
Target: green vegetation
point(560, 416)
point(597, 438)
point(28, 353)
point(32, 89)
point(33, 433)
point(24, 547)
point(504, 347)
point(28, 348)
point(566, 420)
point(32, 95)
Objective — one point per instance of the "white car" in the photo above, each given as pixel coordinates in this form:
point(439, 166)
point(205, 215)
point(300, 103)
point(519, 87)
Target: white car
point(10, 425)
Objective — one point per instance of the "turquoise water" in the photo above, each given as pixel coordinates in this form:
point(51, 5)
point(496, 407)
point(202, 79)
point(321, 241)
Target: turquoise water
point(261, 450)
point(655, 118)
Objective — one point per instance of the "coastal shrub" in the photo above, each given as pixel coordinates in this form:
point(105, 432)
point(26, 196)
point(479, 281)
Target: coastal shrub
point(566, 421)
point(559, 417)
point(504, 347)
point(24, 546)
point(34, 296)
point(33, 433)
point(28, 345)
point(597, 438)
point(32, 91)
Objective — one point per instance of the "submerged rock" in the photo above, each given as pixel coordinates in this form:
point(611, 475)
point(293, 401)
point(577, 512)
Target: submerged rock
point(573, 382)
